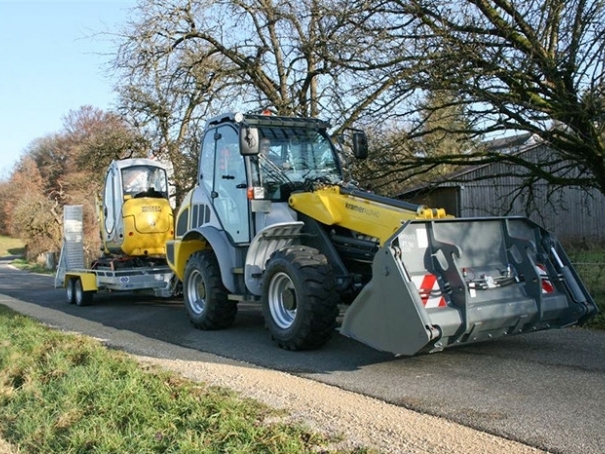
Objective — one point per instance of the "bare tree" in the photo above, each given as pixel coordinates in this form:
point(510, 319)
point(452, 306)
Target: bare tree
point(99, 138)
point(442, 129)
point(181, 61)
point(167, 90)
point(534, 66)
point(28, 213)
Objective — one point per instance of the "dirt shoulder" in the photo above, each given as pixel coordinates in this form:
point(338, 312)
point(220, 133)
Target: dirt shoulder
point(362, 421)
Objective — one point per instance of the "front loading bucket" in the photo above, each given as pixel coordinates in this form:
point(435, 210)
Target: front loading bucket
point(439, 283)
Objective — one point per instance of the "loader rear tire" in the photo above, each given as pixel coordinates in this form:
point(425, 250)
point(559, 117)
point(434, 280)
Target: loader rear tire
point(205, 296)
point(300, 301)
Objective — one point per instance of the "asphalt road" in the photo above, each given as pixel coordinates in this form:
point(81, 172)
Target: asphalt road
point(544, 389)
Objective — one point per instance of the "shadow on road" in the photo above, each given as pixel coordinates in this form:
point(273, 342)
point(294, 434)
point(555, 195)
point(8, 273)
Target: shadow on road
point(166, 320)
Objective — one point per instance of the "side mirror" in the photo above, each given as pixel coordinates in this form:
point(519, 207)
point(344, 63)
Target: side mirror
point(248, 141)
point(360, 144)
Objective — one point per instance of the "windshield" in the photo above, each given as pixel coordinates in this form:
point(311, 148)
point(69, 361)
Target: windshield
point(144, 181)
point(290, 158)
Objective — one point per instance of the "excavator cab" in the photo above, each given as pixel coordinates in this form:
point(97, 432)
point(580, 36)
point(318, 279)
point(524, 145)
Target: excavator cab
point(136, 216)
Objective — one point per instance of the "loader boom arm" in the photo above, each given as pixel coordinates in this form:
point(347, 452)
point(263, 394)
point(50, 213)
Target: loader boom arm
point(365, 213)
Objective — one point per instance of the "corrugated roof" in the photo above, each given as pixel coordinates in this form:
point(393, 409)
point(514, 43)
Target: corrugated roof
point(516, 144)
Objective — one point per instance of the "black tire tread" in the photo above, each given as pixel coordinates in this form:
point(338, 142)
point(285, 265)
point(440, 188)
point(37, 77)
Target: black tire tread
point(219, 312)
point(87, 296)
point(316, 317)
point(69, 287)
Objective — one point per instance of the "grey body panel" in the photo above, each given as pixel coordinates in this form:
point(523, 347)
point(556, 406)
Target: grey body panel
point(228, 256)
point(270, 239)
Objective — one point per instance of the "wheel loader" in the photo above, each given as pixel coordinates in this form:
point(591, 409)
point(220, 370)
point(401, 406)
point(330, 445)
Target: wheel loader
point(135, 222)
point(273, 219)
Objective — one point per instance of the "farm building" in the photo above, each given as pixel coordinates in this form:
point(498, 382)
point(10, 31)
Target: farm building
point(575, 216)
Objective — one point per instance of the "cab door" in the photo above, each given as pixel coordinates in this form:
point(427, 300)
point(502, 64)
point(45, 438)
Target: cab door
point(224, 177)
point(112, 204)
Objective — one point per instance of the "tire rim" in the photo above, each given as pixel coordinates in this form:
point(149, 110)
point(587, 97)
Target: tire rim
point(196, 293)
point(282, 300)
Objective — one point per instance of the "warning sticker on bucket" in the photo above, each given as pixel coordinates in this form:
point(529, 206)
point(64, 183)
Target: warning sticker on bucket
point(429, 291)
point(421, 238)
point(413, 239)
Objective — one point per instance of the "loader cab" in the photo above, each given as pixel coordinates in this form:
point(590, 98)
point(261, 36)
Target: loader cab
point(248, 162)
point(291, 159)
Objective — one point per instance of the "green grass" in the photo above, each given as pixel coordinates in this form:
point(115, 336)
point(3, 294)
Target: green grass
point(14, 247)
point(32, 267)
point(64, 393)
point(590, 266)
point(11, 246)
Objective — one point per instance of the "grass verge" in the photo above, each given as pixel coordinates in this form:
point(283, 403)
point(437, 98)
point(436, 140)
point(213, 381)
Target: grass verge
point(14, 247)
point(11, 246)
point(590, 266)
point(68, 393)
point(32, 267)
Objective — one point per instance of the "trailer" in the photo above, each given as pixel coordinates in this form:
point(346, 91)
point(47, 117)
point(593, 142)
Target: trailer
point(135, 222)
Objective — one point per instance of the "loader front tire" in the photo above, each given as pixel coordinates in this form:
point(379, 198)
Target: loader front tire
point(300, 301)
point(205, 296)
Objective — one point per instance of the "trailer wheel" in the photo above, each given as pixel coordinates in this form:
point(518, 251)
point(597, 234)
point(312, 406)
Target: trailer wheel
point(205, 296)
point(81, 298)
point(300, 301)
point(70, 292)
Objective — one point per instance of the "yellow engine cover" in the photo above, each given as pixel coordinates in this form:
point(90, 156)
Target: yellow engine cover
point(148, 224)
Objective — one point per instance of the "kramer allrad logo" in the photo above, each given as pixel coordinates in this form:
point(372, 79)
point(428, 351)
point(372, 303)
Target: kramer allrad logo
point(362, 210)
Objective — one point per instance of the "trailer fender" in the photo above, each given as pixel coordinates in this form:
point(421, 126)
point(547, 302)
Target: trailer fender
point(89, 280)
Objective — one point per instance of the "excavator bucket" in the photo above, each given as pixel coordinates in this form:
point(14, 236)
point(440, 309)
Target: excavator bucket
point(447, 282)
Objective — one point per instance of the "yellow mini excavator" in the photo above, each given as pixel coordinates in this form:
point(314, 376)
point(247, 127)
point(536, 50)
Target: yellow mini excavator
point(135, 221)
